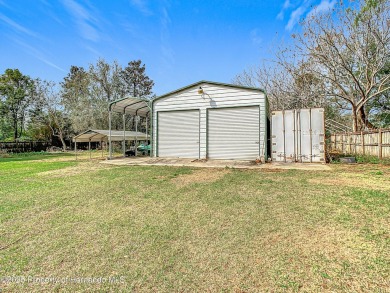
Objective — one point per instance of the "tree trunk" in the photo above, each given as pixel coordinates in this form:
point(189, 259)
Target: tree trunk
point(61, 136)
point(15, 129)
point(355, 119)
point(364, 119)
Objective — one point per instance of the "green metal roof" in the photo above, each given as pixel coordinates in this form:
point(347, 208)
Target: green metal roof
point(131, 105)
point(210, 82)
point(116, 135)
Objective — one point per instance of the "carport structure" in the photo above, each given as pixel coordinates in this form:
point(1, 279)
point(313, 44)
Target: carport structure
point(97, 135)
point(132, 106)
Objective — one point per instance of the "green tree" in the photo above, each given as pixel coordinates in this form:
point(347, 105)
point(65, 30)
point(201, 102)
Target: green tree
point(51, 111)
point(135, 80)
point(76, 98)
point(5, 126)
point(106, 86)
point(16, 94)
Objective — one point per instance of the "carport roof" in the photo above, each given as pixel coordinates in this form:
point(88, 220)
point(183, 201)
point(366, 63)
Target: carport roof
point(131, 105)
point(102, 135)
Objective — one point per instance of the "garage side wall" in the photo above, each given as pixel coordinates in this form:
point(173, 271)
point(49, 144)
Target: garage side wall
point(214, 97)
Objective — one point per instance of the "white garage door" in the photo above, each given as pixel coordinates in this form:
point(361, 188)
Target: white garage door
point(234, 133)
point(178, 134)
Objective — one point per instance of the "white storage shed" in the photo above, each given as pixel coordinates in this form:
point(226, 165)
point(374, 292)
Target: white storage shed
point(211, 120)
point(298, 135)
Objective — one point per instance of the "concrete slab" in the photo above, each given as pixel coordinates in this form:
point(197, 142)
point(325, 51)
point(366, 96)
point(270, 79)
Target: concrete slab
point(177, 162)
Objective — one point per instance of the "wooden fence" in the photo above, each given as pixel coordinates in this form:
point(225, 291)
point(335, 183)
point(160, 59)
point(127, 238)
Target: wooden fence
point(23, 146)
point(372, 143)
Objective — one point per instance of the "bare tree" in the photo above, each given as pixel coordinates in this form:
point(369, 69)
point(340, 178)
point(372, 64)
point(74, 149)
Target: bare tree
point(268, 76)
point(289, 85)
point(348, 50)
point(340, 59)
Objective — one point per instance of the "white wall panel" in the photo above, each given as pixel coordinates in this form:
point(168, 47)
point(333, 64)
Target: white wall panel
point(178, 134)
point(233, 133)
point(298, 135)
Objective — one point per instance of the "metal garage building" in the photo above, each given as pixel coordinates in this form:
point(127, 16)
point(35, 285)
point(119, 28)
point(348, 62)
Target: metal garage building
point(211, 120)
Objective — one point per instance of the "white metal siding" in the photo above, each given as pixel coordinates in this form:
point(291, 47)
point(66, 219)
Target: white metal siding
point(318, 135)
point(304, 121)
point(215, 97)
point(178, 134)
point(234, 133)
point(298, 135)
point(284, 136)
point(290, 135)
point(277, 135)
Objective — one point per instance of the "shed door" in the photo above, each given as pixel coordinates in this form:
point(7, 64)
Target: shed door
point(311, 124)
point(234, 133)
point(178, 134)
point(284, 136)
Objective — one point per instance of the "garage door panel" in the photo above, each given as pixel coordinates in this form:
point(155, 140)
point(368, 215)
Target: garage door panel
point(178, 134)
point(234, 133)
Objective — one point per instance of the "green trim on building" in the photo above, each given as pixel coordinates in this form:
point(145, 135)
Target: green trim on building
point(122, 99)
point(207, 132)
point(209, 82)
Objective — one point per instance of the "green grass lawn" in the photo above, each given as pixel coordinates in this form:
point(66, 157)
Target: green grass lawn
point(180, 229)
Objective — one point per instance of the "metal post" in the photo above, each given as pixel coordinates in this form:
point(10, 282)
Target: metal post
point(89, 148)
point(284, 136)
point(109, 136)
point(149, 116)
point(136, 132)
point(75, 148)
point(311, 138)
point(380, 143)
point(101, 146)
point(295, 136)
point(147, 143)
point(124, 135)
point(299, 126)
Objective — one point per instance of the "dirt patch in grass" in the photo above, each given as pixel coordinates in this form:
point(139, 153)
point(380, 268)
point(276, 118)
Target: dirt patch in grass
point(75, 170)
point(274, 170)
point(80, 158)
point(200, 176)
point(370, 181)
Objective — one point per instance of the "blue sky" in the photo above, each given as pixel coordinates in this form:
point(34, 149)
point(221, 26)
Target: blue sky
point(180, 42)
